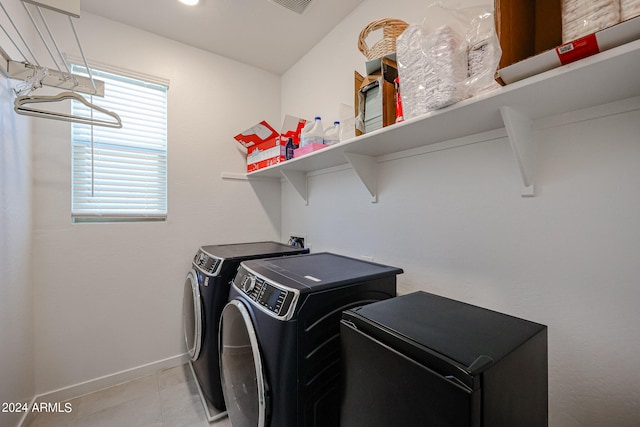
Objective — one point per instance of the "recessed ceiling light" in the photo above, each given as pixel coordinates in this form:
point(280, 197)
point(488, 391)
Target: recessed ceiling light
point(189, 2)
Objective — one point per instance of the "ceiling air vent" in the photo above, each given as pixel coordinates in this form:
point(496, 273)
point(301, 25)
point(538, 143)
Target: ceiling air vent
point(297, 6)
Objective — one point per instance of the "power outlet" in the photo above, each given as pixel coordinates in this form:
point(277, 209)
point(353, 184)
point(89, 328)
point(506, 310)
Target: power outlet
point(297, 241)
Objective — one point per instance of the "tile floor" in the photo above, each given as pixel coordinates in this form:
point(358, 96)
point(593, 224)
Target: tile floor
point(168, 398)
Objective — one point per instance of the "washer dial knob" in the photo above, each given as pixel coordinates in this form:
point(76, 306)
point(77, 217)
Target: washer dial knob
point(248, 283)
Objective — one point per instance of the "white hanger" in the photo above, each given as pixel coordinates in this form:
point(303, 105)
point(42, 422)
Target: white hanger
point(21, 101)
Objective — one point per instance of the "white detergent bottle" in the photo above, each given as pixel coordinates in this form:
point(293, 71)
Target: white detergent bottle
point(332, 134)
point(312, 133)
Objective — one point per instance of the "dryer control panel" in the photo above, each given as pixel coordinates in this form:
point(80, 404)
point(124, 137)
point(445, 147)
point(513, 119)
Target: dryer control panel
point(272, 298)
point(207, 263)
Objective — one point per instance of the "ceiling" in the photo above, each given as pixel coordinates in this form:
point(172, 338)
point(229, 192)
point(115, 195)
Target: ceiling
point(255, 32)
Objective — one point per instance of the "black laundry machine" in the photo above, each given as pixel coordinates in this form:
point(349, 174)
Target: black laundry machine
point(425, 360)
point(279, 336)
point(206, 291)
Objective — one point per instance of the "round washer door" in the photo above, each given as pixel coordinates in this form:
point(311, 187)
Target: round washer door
point(192, 315)
point(243, 382)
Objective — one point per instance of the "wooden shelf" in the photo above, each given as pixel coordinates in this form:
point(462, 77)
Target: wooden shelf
point(600, 79)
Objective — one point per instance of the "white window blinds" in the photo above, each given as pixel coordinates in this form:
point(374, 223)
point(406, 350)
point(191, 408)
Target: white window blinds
point(121, 174)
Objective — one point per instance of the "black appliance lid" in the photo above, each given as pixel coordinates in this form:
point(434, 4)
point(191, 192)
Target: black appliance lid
point(453, 329)
point(319, 270)
point(252, 250)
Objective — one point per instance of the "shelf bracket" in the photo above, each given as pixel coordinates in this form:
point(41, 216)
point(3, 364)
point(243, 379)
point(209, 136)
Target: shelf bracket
point(234, 176)
point(523, 143)
point(365, 167)
point(299, 182)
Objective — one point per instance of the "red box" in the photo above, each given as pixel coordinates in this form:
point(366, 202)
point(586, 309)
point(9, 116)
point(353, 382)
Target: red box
point(266, 147)
point(258, 134)
point(266, 154)
point(291, 128)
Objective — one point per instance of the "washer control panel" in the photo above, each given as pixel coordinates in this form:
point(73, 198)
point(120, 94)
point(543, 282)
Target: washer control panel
point(272, 298)
point(206, 263)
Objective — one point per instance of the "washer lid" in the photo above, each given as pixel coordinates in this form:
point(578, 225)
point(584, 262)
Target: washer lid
point(252, 250)
point(470, 336)
point(319, 270)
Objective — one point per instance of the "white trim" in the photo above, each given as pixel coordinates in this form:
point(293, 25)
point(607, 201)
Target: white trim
point(68, 7)
point(151, 78)
point(25, 416)
point(478, 138)
point(234, 176)
point(100, 383)
point(599, 111)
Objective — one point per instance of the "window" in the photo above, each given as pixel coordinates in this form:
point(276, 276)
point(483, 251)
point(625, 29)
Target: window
point(121, 174)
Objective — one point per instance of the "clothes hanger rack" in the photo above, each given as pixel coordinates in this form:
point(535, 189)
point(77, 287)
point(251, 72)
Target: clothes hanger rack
point(21, 102)
point(35, 75)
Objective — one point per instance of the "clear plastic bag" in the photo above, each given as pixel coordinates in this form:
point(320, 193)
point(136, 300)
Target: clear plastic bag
point(452, 55)
point(484, 53)
point(432, 68)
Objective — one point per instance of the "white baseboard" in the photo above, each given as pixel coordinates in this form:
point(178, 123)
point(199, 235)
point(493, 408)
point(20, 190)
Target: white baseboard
point(86, 387)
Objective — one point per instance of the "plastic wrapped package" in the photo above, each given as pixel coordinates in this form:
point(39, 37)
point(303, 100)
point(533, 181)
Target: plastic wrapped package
point(583, 17)
point(412, 71)
point(347, 121)
point(439, 65)
point(484, 55)
point(432, 67)
point(448, 54)
point(629, 9)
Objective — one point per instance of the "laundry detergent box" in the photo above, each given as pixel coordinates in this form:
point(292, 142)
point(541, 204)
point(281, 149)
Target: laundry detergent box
point(262, 143)
point(265, 146)
point(266, 154)
point(291, 128)
point(257, 134)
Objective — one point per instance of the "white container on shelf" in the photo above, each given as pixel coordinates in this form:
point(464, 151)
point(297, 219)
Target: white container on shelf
point(332, 134)
point(312, 133)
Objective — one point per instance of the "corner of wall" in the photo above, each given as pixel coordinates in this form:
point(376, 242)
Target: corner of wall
point(16, 296)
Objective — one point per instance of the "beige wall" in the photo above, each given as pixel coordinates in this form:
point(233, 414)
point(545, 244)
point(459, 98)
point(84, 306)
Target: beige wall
point(454, 219)
point(17, 382)
point(108, 297)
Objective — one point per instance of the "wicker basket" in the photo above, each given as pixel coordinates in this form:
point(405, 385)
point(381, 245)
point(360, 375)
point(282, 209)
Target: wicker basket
point(391, 29)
